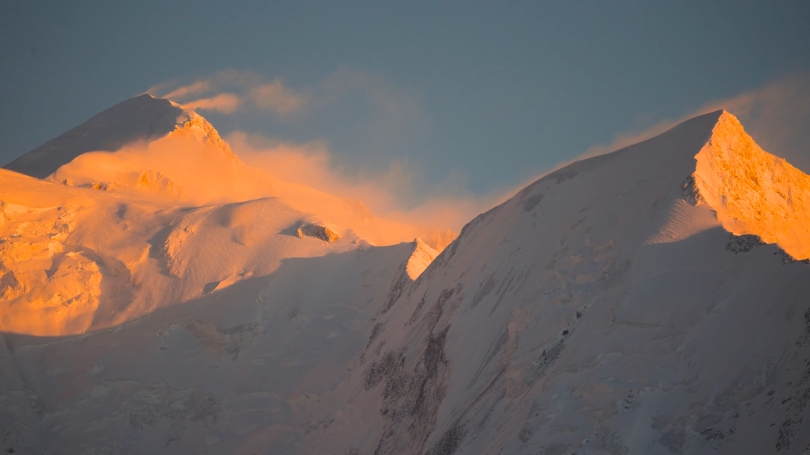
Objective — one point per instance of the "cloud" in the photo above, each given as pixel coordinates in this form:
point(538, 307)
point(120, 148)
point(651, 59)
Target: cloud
point(370, 109)
point(225, 103)
point(393, 109)
point(274, 96)
point(231, 90)
point(397, 193)
point(191, 89)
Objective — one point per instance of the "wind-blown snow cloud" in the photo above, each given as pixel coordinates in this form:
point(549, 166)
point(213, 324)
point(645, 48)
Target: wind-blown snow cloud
point(225, 103)
point(192, 89)
point(227, 91)
point(275, 97)
point(389, 193)
point(231, 90)
point(391, 188)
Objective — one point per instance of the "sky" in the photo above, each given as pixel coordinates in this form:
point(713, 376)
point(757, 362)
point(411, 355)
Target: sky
point(458, 99)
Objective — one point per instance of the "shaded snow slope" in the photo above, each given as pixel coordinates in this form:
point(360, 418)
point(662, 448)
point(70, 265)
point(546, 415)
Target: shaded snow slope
point(142, 118)
point(553, 325)
point(237, 371)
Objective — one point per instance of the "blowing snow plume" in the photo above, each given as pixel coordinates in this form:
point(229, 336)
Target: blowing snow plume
point(396, 193)
point(187, 162)
point(165, 218)
point(386, 114)
point(227, 91)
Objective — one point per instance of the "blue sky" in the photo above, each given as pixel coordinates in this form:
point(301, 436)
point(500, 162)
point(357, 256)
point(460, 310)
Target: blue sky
point(469, 96)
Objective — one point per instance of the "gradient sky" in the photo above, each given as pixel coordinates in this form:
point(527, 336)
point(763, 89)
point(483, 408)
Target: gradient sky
point(469, 96)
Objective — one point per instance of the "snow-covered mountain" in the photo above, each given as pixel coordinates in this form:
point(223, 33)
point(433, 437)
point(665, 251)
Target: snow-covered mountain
point(651, 300)
point(114, 234)
point(603, 309)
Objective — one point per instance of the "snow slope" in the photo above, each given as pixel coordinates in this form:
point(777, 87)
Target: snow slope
point(77, 259)
point(235, 371)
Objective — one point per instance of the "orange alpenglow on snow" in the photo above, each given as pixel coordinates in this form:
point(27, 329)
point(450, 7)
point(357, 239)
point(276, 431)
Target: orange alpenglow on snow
point(752, 191)
point(115, 233)
point(109, 232)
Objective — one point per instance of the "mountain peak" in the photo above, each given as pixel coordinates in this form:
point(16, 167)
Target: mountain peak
point(753, 191)
point(191, 120)
point(142, 118)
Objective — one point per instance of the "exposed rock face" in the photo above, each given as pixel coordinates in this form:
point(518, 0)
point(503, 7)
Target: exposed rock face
point(317, 231)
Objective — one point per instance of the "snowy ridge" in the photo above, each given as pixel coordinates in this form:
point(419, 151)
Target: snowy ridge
point(420, 259)
point(752, 191)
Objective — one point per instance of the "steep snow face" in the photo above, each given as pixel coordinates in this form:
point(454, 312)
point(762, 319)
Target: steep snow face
point(600, 310)
point(238, 370)
point(420, 259)
point(752, 191)
point(142, 118)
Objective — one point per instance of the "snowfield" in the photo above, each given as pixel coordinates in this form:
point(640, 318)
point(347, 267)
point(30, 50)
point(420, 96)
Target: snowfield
point(653, 300)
